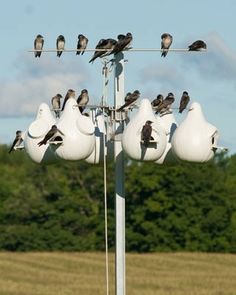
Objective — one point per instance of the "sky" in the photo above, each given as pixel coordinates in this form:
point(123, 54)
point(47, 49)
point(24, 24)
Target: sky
point(209, 78)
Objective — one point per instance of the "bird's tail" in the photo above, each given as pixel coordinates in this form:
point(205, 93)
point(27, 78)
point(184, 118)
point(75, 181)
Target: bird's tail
point(164, 53)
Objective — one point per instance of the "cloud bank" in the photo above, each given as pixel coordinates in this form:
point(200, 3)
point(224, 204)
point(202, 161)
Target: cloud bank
point(36, 81)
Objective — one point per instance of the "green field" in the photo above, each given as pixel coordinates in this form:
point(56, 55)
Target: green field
point(149, 274)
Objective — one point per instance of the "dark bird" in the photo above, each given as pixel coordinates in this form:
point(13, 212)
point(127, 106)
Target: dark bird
point(157, 101)
point(56, 104)
point(82, 44)
point(197, 46)
point(38, 45)
point(50, 134)
point(70, 93)
point(60, 45)
point(146, 133)
point(166, 40)
point(166, 104)
point(17, 141)
point(83, 99)
point(106, 44)
point(123, 43)
point(130, 100)
point(184, 101)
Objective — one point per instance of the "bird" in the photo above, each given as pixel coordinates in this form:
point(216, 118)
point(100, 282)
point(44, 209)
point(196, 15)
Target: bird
point(106, 44)
point(124, 42)
point(184, 101)
point(83, 99)
point(146, 133)
point(166, 40)
point(82, 44)
point(166, 104)
point(70, 93)
point(130, 100)
point(56, 104)
point(17, 141)
point(197, 46)
point(50, 134)
point(60, 45)
point(157, 101)
point(38, 45)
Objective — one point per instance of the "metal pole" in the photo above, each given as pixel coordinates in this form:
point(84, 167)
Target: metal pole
point(119, 178)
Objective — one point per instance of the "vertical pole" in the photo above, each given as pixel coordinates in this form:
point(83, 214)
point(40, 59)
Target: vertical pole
point(119, 179)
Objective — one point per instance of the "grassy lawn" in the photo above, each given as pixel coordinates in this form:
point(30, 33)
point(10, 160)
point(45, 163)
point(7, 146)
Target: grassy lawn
point(147, 274)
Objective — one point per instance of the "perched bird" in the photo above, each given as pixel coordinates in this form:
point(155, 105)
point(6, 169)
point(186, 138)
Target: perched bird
point(56, 104)
point(50, 134)
point(82, 44)
point(146, 133)
point(38, 45)
point(157, 101)
point(123, 43)
point(166, 40)
point(130, 100)
point(60, 45)
point(70, 93)
point(184, 101)
point(197, 46)
point(83, 99)
point(106, 44)
point(17, 141)
point(127, 96)
point(166, 104)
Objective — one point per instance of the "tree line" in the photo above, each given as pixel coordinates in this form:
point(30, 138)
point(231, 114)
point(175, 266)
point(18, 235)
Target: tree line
point(184, 207)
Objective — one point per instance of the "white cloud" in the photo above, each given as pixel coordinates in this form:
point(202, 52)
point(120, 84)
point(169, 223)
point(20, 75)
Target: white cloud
point(37, 80)
point(218, 63)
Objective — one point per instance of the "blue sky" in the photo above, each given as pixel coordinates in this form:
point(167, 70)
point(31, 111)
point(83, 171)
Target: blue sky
point(209, 78)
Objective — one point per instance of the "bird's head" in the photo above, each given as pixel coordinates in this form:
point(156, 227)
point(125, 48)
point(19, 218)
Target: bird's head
point(136, 92)
point(148, 122)
point(185, 93)
point(129, 35)
point(59, 95)
point(39, 36)
point(84, 91)
point(18, 132)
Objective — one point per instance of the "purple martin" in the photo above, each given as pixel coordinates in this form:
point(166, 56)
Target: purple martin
point(82, 44)
point(49, 135)
point(146, 133)
point(38, 45)
point(56, 104)
point(166, 104)
point(83, 99)
point(17, 141)
point(197, 46)
point(157, 101)
point(123, 43)
point(184, 101)
point(70, 93)
point(106, 44)
point(60, 45)
point(130, 100)
point(166, 40)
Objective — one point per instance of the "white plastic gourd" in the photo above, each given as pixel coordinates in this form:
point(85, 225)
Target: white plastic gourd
point(195, 140)
point(78, 139)
point(36, 132)
point(131, 139)
point(169, 124)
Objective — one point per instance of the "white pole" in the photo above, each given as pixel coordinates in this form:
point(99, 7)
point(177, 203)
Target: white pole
point(119, 179)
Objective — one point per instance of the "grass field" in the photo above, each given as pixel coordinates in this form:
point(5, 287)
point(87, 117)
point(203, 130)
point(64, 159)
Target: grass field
point(147, 274)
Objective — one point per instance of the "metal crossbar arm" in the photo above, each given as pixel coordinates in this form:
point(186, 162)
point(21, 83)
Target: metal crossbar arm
point(128, 50)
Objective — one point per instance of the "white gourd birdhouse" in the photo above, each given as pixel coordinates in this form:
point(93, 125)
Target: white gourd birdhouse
point(78, 140)
point(169, 124)
point(195, 140)
point(36, 132)
point(132, 142)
